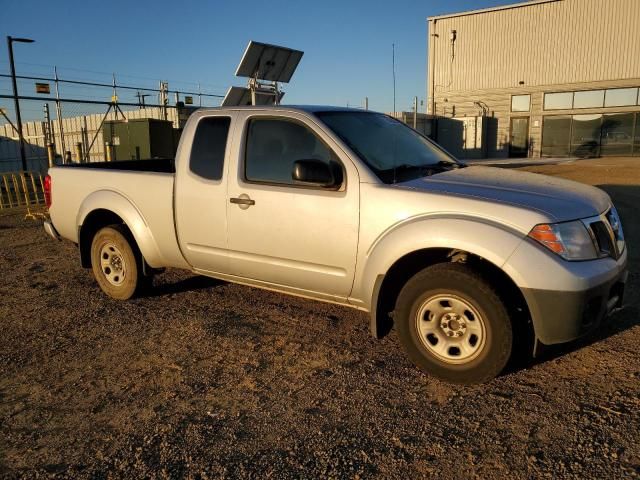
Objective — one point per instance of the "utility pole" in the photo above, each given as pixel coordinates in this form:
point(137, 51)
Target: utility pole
point(393, 63)
point(14, 82)
point(164, 100)
point(59, 112)
point(47, 123)
point(415, 113)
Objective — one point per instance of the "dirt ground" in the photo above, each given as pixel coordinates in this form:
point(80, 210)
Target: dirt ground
point(207, 379)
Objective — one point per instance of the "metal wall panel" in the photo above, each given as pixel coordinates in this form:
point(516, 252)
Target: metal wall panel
point(553, 45)
point(556, 42)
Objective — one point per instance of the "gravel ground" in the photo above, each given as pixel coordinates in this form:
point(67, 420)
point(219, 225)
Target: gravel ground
point(207, 379)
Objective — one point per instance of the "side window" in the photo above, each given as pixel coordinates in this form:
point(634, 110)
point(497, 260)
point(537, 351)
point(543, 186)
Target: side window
point(274, 145)
point(209, 145)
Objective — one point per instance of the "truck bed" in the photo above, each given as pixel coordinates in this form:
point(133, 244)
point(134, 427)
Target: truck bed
point(159, 165)
point(140, 191)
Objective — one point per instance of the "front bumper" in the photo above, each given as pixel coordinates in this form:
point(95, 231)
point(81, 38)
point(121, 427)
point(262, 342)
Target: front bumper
point(51, 230)
point(562, 316)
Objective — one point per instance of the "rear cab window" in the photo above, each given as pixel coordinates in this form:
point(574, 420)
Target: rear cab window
point(209, 147)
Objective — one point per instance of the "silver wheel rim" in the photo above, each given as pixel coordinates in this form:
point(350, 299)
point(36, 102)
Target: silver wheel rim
point(112, 264)
point(451, 328)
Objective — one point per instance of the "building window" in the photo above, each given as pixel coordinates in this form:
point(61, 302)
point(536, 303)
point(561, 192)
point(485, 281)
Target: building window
point(585, 135)
point(556, 133)
point(558, 101)
point(520, 103)
point(621, 97)
point(617, 134)
point(588, 99)
point(636, 140)
point(591, 135)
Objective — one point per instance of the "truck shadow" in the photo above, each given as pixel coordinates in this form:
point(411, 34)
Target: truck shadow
point(619, 322)
point(189, 284)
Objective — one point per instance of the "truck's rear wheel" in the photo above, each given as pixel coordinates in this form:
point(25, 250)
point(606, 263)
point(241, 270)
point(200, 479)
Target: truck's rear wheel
point(114, 263)
point(453, 325)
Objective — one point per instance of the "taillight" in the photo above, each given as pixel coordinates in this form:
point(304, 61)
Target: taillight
point(47, 191)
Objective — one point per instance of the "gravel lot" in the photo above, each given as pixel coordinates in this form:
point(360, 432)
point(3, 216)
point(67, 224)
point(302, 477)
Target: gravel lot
point(208, 379)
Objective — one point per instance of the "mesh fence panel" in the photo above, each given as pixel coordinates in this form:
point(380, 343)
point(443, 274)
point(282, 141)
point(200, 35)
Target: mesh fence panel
point(73, 128)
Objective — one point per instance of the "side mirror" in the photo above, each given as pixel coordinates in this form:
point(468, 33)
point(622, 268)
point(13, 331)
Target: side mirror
point(316, 173)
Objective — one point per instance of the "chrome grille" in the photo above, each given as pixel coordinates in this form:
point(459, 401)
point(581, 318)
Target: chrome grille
point(606, 233)
point(603, 238)
point(616, 228)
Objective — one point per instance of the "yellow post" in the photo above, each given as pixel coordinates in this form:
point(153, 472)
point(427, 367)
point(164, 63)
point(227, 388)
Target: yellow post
point(25, 189)
point(51, 153)
point(2, 202)
point(79, 152)
point(16, 188)
point(108, 151)
point(35, 189)
point(6, 189)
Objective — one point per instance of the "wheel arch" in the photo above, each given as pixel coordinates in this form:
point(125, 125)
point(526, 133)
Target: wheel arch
point(388, 288)
point(103, 208)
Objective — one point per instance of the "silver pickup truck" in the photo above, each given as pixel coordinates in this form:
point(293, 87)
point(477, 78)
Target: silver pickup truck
point(467, 263)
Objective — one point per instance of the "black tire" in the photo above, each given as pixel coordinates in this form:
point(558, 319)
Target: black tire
point(116, 263)
point(486, 314)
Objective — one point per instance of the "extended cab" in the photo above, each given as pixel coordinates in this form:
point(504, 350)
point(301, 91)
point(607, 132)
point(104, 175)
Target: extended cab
point(356, 208)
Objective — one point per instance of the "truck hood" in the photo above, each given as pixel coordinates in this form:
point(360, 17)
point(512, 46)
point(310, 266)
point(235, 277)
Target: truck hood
point(558, 198)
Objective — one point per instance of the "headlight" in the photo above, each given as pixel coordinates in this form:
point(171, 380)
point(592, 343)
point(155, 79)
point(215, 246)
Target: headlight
point(616, 226)
point(570, 240)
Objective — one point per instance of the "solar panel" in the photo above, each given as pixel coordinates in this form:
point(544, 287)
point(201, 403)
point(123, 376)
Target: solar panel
point(242, 96)
point(272, 63)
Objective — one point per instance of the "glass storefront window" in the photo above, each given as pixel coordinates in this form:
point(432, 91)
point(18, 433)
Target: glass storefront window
point(636, 143)
point(617, 134)
point(585, 135)
point(591, 135)
point(558, 101)
point(556, 132)
point(621, 97)
point(520, 103)
point(588, 99)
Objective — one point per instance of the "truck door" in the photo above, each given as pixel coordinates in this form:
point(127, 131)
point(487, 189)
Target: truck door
point(282, 233)
point(201, 192)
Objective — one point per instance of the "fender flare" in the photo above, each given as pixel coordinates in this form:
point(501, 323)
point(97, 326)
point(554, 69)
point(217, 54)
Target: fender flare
point(484, 238)
point(119, 204)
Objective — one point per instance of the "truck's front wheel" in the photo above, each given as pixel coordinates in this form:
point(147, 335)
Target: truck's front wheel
point(114, 263)
point(453, 324)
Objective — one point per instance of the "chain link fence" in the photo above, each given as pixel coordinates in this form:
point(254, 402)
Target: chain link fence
point(77, 121)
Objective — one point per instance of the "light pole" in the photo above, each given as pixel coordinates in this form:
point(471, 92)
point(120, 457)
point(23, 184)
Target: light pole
point(10, 41)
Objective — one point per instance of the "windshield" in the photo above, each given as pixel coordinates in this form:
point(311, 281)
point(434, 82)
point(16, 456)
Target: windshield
point(394, 151)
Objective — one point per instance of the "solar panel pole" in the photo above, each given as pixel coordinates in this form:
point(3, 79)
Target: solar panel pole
point(252, 88)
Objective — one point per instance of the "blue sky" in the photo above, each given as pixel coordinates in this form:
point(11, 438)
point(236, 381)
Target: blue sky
point(347, 44)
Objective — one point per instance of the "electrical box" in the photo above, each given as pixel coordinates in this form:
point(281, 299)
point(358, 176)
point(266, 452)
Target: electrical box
point(142, 138)
point(464, 137)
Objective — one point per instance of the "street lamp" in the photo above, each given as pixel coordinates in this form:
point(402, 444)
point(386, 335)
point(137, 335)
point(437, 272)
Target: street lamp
point(10, 41)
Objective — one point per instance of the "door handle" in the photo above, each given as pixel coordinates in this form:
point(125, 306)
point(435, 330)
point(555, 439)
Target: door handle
point(242, 201)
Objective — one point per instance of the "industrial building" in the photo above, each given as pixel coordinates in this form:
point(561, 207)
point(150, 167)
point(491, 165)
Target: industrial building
point(539, 78)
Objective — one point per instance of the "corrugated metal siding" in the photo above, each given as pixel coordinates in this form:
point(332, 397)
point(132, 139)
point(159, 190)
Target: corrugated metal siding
point(569, 41)
point(557, 46)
